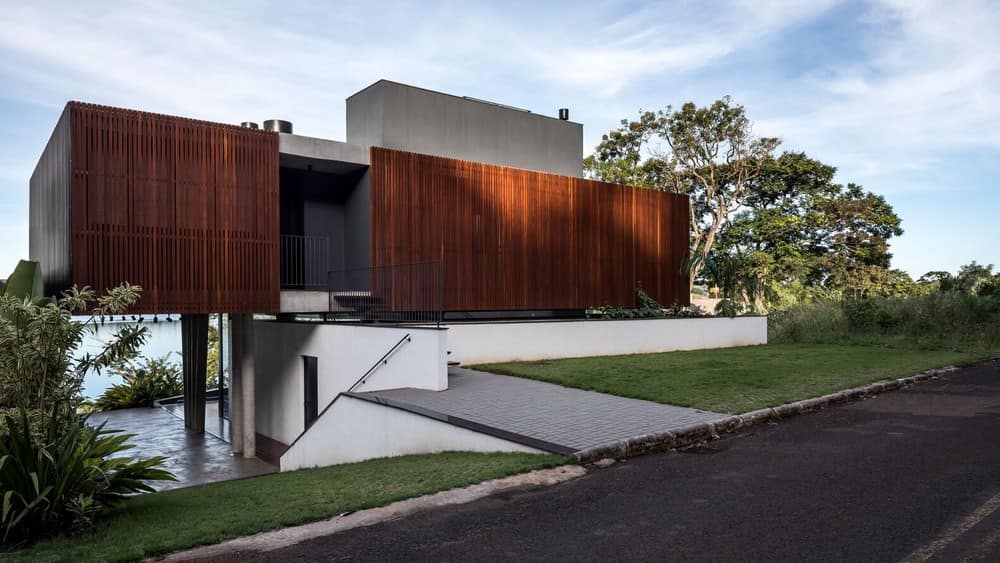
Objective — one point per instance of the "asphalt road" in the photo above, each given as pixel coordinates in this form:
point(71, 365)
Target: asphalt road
point(911, 475)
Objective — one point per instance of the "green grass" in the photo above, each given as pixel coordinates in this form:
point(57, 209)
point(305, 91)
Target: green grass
point(734, 380)
point(162, 522)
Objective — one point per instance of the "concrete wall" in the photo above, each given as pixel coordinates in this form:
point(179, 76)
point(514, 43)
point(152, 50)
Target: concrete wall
point(355, 430)
point(398, 116)
point(345, 352)
point(357, 226)
point(313, 148)
point(472, 343)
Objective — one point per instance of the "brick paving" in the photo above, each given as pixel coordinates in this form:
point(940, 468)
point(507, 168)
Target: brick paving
point(568, 419)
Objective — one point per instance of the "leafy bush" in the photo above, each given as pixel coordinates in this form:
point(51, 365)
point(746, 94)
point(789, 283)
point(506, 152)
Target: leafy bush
point(144, 383)
point(647, 308)
point(58, 474)
point(952, 321)
point(38, 342)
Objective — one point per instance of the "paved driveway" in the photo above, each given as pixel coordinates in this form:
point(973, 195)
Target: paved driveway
point(550, 417)
point(910, 475)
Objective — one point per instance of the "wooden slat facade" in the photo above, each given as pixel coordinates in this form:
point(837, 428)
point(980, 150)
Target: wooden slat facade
point(187, 209)
point(511, 239)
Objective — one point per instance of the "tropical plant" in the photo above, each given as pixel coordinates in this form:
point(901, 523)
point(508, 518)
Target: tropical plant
point(58, 474)
point(38, 342)
point(144, 382)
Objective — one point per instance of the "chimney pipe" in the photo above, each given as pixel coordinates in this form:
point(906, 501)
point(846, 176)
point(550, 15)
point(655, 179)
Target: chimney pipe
point(279, 125)
point(564, 114)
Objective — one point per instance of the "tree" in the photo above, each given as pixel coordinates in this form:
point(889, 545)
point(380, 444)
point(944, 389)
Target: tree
point(973, 276)
point(707, 153)
point(800, 230)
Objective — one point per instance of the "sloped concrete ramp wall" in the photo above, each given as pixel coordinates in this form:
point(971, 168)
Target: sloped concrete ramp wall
point(472, 343)
point(344, 353)
point(356, 430)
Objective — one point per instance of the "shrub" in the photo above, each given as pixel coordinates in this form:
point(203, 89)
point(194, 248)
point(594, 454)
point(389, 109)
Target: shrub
point(144, 383)
point(647, 308)
point(950, 320)
point(58, 474)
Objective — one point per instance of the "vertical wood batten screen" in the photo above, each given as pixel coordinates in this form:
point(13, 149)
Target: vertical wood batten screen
point(511, 239)
point(187, 209)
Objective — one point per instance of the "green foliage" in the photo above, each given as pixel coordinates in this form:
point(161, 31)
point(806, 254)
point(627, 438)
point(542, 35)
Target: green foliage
point(144, 382)
point(25, 281)
point(942, 321)
point(801, 236)
point(150, 525)
point(56, 473)
point(734, 380)
point(214, 358)
point(37, 367)
point(710, 155)
point(646, 308)
point(729, 308)
point(60, 476)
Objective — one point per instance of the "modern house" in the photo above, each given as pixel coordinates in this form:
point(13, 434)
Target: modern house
point(437, 209)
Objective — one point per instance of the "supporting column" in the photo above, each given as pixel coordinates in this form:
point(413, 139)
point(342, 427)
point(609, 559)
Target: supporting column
point(194, 351)
point(242, 418)
point(236, 383)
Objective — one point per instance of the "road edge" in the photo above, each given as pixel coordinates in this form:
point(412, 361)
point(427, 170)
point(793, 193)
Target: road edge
point(704, 431)
point(285, 537)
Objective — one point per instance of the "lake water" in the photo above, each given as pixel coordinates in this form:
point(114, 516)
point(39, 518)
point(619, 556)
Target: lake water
point(164, 339)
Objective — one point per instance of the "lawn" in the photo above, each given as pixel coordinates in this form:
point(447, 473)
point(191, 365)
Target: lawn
point(161, 522)
point(734, 380)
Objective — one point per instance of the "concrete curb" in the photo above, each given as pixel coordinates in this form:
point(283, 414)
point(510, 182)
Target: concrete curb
point(704, 431)
point(285, 537)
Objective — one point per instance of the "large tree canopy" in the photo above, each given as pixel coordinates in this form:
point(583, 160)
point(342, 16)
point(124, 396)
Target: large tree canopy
point(762, 227)
point(799, 229)
point(708, 153)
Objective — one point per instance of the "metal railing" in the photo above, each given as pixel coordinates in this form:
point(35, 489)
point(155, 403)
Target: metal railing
point(305, 262)
point(400, 293)
point(381, 362)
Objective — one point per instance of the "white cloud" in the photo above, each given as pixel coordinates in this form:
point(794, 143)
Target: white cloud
point(929, 87)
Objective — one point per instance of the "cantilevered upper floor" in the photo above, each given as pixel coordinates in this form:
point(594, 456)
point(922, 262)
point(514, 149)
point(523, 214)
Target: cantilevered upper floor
point(209, 217)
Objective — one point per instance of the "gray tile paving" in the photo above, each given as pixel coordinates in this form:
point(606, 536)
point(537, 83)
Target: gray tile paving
point(571, 418)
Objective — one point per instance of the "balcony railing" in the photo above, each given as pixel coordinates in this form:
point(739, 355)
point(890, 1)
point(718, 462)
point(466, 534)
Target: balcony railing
point(305, 262)
point(400, 293)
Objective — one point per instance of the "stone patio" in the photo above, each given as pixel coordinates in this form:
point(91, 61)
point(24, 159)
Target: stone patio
point(194, 459)
point(542, 415)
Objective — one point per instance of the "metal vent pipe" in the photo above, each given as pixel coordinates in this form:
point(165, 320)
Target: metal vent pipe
point(279, 125)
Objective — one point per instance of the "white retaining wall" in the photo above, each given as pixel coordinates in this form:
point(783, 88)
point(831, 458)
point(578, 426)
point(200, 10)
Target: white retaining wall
point(356, 430)
point(472, 343)
point(344, 353)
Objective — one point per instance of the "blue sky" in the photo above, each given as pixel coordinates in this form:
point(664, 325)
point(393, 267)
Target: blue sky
point(903, 97)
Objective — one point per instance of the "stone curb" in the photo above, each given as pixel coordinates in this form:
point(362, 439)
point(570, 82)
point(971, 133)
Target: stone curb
point(285, 537)
point(692, 434)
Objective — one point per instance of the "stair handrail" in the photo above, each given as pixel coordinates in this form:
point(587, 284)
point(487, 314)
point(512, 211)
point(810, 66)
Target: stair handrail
point(381, 362)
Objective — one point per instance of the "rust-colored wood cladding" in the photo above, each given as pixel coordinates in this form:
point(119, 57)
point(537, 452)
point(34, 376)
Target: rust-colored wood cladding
point(187, 209)
point(511, 239)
